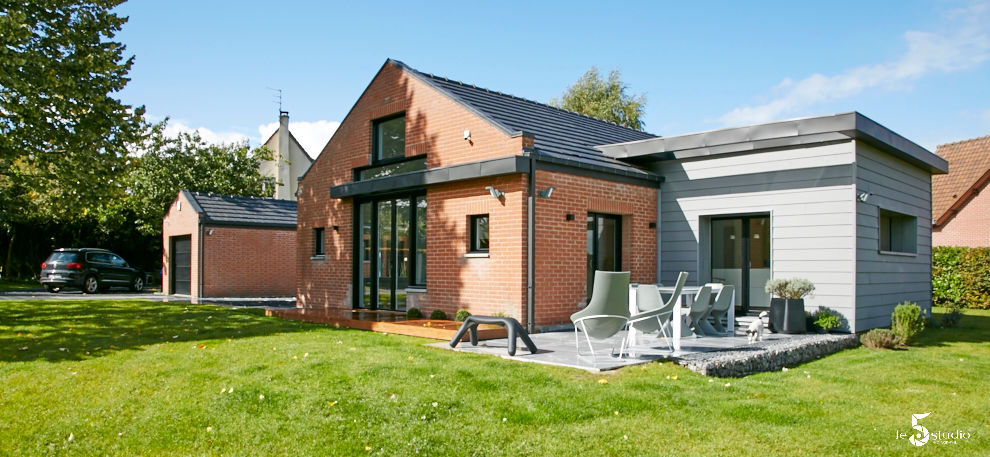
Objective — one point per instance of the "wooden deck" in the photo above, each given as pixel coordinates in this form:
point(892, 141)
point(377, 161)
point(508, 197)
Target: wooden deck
point(385, 322)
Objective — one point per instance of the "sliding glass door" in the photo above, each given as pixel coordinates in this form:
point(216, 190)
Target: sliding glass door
point(390, 251)
point(740, 249)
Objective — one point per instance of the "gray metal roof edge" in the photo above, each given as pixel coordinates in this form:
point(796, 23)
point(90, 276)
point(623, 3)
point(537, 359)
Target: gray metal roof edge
point(452, 173)
point(191, 197)
point(600, 171)
point(270, 225)
point(808, 130)
point(457, 99)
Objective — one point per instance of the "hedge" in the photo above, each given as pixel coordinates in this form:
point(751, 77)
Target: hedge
point(961, 277)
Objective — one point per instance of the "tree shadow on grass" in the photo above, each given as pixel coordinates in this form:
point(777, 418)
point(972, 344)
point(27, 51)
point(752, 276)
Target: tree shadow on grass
point(974, 327)
point(70, 330)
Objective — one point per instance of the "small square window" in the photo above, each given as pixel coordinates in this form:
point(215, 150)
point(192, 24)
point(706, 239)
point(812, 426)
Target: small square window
point(479, 233)
point(318, 241)
point(898, 232)
point(389, 139)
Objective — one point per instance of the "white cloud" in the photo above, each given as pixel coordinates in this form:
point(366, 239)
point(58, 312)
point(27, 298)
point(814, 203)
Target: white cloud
point(311, 135)
point(175, 127)
point(965, 47)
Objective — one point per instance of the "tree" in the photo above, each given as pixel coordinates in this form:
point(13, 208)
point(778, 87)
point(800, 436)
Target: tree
point(603, 99)
point(167, 165)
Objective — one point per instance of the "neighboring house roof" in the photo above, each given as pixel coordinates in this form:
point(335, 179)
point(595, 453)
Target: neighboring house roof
point(294, 140)
point(243, 211)
point(969, 172)
point(556, 132)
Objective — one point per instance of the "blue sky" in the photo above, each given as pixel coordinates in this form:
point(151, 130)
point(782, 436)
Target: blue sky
point(921, 68)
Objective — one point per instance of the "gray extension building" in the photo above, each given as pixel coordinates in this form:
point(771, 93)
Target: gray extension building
point(840, 200)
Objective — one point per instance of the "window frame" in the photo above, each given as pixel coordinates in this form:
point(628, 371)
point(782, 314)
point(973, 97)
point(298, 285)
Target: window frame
point(319, 241)
point(474, 242)
point(890, 242)
point(375, 152)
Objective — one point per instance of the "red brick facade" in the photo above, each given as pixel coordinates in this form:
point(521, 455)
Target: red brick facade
point(496, 283)
point(236, 261)
point(969, 227)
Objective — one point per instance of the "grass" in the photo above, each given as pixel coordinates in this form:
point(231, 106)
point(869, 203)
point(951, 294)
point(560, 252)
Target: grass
point(18, 284)
point(145, 378)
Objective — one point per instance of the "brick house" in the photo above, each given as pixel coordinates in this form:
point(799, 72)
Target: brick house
point(960, 208)
point(290, 160)
point(227, 246)
point(441, 195)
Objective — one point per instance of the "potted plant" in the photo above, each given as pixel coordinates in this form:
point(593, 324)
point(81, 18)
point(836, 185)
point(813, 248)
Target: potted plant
point(787, 306)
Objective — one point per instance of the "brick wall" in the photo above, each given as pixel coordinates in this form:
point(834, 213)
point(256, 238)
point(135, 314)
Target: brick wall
point(180, 220)
point(970, 227)
point(561, 245)
point(248, 262)
point(434, 126)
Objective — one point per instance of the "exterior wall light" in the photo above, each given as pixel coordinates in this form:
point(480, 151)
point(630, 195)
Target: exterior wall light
point(495, 192)
point(863, 196)
point(545, 193)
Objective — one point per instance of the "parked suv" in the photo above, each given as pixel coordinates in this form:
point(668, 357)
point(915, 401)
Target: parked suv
point(91, 270)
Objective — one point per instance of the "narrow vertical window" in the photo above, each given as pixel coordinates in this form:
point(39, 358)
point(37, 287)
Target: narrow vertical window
point(318, 241)
point(479, 233)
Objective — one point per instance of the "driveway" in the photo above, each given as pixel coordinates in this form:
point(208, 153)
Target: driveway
point(153, 295)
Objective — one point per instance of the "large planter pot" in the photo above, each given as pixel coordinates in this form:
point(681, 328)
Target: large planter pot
point(787, 315)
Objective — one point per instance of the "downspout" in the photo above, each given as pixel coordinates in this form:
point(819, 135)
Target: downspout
point(531, 248)
point(199, 254)
point(659, 227)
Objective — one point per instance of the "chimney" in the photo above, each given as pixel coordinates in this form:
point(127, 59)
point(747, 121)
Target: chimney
point(284, 158)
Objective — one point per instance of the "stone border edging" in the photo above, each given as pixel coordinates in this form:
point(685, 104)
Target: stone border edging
point(767, 355)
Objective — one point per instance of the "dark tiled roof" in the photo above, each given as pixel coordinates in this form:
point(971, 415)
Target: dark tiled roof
point(968, 161)
point(556, 132)
point(246, 211)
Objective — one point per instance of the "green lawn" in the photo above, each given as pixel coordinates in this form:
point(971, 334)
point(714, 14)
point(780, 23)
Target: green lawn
point(144, 378)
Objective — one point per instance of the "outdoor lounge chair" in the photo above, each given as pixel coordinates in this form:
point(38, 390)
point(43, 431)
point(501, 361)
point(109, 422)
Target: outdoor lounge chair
point(607, 312)
point(700, 307)
point(720, 309)
point(653, 315)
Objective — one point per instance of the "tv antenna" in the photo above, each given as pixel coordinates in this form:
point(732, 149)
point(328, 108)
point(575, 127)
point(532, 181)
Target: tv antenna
point(277, 97)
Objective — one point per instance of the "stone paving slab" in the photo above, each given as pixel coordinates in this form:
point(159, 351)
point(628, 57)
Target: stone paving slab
point(712, 356)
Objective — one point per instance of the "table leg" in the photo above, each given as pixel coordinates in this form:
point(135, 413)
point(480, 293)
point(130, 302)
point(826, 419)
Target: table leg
point(632, 332)
point(732, 315)
point(676, 321)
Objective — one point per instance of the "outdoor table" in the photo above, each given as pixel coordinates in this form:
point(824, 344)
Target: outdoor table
point(676, 324)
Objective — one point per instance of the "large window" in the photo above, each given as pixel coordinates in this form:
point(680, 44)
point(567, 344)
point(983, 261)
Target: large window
point(479, 233)
point(898, 232)
point(390, 250)
point(389, 139)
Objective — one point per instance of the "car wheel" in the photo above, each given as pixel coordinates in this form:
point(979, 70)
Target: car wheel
point(137, 285)
point(91, 285)
point(53, 289)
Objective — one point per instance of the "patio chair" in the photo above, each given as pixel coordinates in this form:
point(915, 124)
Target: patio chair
point(700, 307)
point(720, 309)
point(607, 312)
point(653, 314)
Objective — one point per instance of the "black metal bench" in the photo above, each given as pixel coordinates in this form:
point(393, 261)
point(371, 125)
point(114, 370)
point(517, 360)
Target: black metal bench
point(511, 325)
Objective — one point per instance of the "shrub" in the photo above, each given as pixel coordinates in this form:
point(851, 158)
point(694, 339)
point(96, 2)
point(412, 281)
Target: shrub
point(961, 277)
point(413, 313)
point(879, 338)
point(461, 315)
point(827, 320)
point(438, 315)
point(907, 322)
point(793, 288)
point(951, 319)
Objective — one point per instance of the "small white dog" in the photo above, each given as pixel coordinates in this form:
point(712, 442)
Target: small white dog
point(755, 330)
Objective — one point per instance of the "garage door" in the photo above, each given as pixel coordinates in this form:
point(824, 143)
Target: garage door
point(181, 258)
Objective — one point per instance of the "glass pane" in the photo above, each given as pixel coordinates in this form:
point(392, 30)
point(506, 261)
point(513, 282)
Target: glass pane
point(727, 253)
point(481, 233)
point(759, 261)
point(591, 254)
point(420, 241)
point(386, 257)
point(364, 251)
point(392, 169)
point(608, 244)
point(391, 138)
point(403, 214)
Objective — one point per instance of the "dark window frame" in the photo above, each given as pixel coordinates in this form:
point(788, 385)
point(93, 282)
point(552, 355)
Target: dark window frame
point(357, 268)
point(375, 123)
point(897, 233)
point(319, 241)
point(474, 241)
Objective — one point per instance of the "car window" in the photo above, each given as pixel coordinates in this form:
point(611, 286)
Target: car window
point(98, 257)
point(63, 257)
point(117, 261)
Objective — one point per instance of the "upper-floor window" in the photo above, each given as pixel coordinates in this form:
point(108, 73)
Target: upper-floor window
point(389, 139)
point(898, 232)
